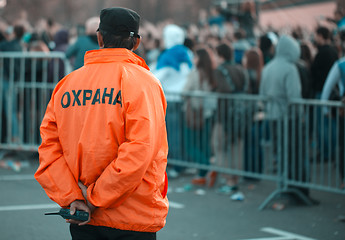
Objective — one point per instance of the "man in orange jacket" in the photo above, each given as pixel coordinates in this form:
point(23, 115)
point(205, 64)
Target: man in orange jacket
point(104, 145)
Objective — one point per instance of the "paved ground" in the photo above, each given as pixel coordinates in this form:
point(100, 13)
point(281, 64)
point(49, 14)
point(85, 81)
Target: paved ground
point(198, 213)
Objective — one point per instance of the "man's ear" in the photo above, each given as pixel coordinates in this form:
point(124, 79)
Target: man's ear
point(137, 44)
point(100, 40)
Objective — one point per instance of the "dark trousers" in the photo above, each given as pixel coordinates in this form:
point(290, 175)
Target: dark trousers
point(298, 164)
point(89, 232)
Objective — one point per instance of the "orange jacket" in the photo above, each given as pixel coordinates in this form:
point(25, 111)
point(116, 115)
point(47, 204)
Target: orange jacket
point(105, 126)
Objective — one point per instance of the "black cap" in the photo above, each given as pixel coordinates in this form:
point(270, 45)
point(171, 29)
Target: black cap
point(119, 21)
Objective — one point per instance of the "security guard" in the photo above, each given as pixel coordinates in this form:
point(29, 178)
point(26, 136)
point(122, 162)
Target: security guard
point(104, 144)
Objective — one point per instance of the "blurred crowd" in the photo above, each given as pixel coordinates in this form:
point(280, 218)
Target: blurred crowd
point(224, 52)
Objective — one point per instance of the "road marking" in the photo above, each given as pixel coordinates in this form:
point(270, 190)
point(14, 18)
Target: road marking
point(176, 205)
point(17, 177)
point(28, 207)
point(282, 235)
point(54, 205)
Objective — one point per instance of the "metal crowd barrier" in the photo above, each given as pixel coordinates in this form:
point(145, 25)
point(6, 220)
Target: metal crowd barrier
point(301, 150)
point(27, 80)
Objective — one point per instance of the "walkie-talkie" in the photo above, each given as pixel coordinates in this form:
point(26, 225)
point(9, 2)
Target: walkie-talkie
point(65, 213)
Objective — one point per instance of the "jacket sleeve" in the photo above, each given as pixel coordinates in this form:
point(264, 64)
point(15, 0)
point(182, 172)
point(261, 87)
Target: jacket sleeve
point(144, 117)
point(53, 172)
point(332, 79)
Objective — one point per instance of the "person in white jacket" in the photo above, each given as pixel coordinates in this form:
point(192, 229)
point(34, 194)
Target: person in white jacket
point(172, 68)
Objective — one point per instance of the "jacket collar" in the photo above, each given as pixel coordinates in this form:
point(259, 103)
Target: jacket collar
point(106, 55)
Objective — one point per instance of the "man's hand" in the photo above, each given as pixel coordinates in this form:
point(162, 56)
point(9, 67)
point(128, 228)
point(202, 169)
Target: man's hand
point(84, 191)
point(79, 205)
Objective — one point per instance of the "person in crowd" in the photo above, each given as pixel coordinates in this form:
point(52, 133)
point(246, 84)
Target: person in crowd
point(248, 18)
point(267, 47)
point(216, 17)
point(35, 72)
point(172, 68)
point(324, 59)
point(280, 79)
point(174, 63)
point(245, 17)
point(3, 27)
point(152, 48)
point(14, 44)
point(61, 40)
point(8, 98)
point(48, 34)
point(231, 78)
point(199, 112)
point(338, 19)
point(298, 33)
point(202, 18)
point(253, 61)
point(336, 78)
point(303, 66)
point(280, 82)
point(190, 44)
point(340, 42)
point(84, 43)
point(23, 20)
point(105, 152)
point(240, 45)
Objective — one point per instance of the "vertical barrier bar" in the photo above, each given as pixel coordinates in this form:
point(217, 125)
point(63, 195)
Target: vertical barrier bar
point(307, 142)
point(33, 101)
point(283, 148)
point(293, 162)
point(337, 149)
point(43, 91)
point(299, 133)
point(11, 103)
point(329, 148)
point(2, 92)
point(322, 142)
point(21, 86)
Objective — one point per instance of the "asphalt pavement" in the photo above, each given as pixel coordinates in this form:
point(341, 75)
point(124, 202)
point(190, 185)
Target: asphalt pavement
point(195, 212)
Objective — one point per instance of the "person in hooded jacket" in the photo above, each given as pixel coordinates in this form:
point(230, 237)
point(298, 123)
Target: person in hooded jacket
point(104, 143)
point(280, 82)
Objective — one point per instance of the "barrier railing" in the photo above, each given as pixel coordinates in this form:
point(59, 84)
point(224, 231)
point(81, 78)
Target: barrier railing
point(26, 83)
point(299, 147)
point(299, 144)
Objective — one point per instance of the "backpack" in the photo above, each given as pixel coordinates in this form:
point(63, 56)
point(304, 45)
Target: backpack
point(226, 74)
